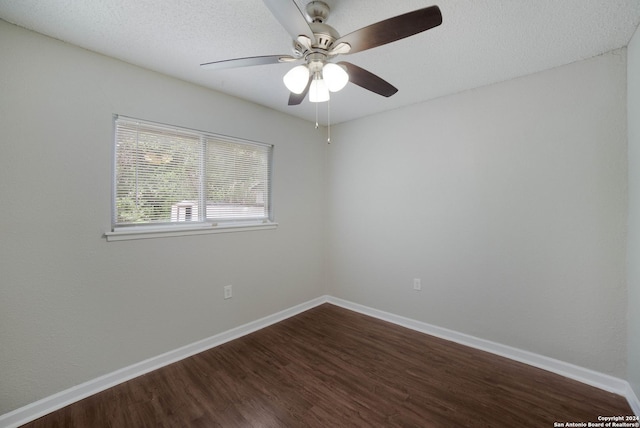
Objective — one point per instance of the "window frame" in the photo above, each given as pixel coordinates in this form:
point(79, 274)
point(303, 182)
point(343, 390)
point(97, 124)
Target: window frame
point(119, 232)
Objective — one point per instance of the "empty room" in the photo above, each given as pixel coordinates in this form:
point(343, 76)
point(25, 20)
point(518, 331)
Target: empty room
point(293, 213)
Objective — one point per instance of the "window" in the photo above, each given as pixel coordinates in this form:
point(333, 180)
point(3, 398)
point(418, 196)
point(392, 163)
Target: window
point(171, 179)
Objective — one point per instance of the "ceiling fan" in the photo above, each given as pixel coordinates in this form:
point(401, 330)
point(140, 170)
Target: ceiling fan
point(316, 44)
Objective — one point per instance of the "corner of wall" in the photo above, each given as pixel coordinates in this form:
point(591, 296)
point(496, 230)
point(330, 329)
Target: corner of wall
point(633, 235)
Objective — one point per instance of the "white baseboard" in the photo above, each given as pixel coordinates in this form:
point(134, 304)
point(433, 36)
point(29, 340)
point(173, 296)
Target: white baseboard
point(571, 371)
point(57, 401)
point(54, 402)
point(632, 398)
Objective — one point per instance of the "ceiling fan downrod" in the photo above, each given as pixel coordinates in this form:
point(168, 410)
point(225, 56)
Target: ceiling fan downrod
point(318, 11)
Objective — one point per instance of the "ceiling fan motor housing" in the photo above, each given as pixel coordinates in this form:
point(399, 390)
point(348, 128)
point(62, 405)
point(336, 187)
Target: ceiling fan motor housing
point(325, 35)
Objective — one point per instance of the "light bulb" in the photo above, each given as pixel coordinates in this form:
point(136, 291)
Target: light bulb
point(318, 92)
point(335, 76)
point(296, 79)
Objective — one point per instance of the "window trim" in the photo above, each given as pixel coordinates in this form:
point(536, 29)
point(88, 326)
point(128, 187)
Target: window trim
point(156, 231)
point(162, 230)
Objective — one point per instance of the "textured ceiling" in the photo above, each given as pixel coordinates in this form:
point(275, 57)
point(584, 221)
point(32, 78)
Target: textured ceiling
point(480, 42)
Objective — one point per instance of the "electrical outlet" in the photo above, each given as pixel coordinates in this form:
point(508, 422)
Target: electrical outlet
point(228, 291)
point(417, 284)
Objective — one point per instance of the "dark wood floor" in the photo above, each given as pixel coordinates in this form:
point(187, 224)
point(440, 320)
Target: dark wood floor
point(330, 367)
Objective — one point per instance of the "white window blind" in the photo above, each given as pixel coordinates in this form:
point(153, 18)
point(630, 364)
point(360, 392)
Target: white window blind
point(171, 175)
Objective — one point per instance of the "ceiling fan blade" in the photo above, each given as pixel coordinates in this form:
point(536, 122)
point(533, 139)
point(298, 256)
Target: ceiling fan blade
point(295, 99)
point(291, 18)
point(367, 80)
point(249, 61)
point(392, 29)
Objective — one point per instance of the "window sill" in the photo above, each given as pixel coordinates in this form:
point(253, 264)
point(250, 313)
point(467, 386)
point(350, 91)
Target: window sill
point(148, 232)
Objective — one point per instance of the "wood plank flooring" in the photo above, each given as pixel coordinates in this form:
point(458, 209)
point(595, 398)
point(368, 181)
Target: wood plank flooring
point(330, 367)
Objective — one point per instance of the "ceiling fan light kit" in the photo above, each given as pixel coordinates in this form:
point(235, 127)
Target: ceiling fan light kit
point(335, 76)
point(316, 44)
point(296, 79)
point(326, 77)
point(318, 92)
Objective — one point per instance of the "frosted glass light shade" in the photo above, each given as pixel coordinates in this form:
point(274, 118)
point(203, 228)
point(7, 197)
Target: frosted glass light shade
point(296, 79)
point(335, 76)
point(318, 92)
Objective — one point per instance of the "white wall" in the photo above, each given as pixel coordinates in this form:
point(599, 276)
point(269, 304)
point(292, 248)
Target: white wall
point(73, 306)
point(633, 256)
point(508, 201)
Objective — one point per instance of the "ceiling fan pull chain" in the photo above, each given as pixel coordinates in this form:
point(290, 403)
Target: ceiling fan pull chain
point(317, 115)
